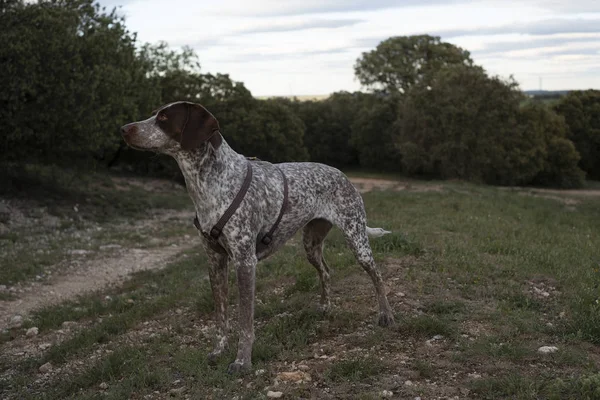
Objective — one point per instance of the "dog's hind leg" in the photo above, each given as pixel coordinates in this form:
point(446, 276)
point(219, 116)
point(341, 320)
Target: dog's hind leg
point(314, 234)
point(355, 231)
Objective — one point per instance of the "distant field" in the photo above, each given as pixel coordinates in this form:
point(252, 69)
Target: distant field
point(316, 97)
point(479, 278)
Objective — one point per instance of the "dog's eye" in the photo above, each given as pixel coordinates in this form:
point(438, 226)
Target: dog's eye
point(161, 117)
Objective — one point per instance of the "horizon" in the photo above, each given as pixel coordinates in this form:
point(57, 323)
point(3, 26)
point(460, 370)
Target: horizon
point(308, 48)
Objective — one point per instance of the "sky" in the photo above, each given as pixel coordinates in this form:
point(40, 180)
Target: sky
point(309, 47)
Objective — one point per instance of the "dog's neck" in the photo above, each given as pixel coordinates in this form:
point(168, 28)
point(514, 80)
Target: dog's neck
point(213, 177)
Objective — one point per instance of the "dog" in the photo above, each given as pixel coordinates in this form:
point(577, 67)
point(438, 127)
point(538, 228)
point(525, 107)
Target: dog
point(262, 205)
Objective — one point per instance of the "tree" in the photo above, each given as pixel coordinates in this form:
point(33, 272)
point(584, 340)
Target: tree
point(581, 110)
point(266, 129)
point(70, 78)
point(399, 62)
point(373, 136)
point(470, 126)
point(329, 128)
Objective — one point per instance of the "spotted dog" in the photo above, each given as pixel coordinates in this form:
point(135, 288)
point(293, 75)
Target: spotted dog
point(318, 197)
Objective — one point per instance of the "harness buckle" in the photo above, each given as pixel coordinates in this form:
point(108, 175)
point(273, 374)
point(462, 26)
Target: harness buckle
point(215, 232)
point(267, 239)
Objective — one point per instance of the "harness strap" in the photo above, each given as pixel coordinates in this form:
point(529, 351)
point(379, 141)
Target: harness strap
point(268, 238)
point(216, 230)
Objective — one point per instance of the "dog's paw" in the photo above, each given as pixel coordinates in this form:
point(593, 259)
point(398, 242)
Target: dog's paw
point(237, 368)
point(386, 320)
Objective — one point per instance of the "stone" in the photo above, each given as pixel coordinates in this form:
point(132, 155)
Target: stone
point(45, 368)
point(103, 386)
point(68, 324)
point(274, 395)
point(16, 321)
point(31, 332)
point(293, 376)
point(386, 394)
point(79, 252)
point(547, 349)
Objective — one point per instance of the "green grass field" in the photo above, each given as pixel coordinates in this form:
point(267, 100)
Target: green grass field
point(479, 279)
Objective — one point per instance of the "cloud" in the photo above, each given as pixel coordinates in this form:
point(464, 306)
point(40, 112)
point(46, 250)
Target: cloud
point(300, 26)
point(300, 7)
point(541, 27)
point(573, 6)
point(500, 48)
point(277, 56)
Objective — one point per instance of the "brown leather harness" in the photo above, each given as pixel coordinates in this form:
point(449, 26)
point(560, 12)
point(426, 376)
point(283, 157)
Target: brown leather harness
point(213, 236)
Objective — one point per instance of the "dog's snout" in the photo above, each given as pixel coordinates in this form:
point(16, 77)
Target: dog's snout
point(129, 129)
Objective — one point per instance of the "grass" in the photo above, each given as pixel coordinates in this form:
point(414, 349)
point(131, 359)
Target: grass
point(470, 262)
point(354, 370)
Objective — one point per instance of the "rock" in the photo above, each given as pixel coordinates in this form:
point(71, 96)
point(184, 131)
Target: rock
point(408, 383)
point(259, 372)
point(79, 252)
point(274, 395)
point(400, 294)
point(303, 367)
point(31, 332)
point(547, 349)
point(16, 321)
point(130, 301)
point(474, 376)
point(45, 368)
point(68, 324)
point(387, 394)
point(110, 246)
point(103, 386)
point(45, 346)
point(177, 391)
point(3, 288)
point(433, 339)
point(294, 376)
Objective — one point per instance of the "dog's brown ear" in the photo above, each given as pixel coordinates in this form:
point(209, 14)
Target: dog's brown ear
point(199, 127)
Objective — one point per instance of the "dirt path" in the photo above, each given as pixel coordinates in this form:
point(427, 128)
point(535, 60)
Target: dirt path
point(93, 275)
point(370, 184)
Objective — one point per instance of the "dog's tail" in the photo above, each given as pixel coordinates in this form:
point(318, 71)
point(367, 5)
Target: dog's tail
point(376, 232)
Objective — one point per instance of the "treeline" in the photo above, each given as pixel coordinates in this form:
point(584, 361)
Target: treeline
point(72, 74)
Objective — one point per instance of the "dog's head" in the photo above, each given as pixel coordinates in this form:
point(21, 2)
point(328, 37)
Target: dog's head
point(175, 127)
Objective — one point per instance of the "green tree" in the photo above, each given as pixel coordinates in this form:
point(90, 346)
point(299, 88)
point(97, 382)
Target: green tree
point(329, 127)
point(470, 126)
point(581, 110)
point(70, 78)
point(373, 136)
point(267, 129)
point(399, 62)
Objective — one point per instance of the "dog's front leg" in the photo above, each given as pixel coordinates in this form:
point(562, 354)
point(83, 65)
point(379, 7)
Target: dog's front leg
point(245, 268)
point(218, 272)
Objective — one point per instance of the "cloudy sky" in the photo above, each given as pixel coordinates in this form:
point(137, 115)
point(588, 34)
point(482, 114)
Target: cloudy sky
point(309, 47)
